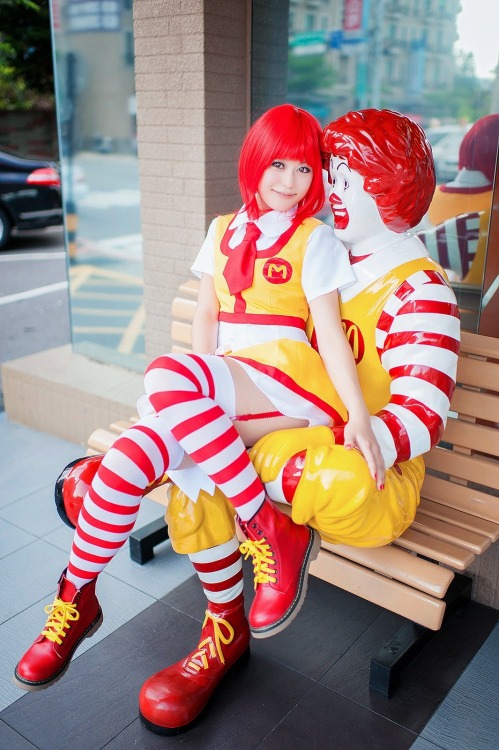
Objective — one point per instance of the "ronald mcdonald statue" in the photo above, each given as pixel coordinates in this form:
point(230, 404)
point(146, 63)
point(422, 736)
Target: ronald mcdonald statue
point(402, 322)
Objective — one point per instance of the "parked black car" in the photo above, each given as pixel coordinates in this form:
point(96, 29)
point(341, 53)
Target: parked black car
point(30, 195)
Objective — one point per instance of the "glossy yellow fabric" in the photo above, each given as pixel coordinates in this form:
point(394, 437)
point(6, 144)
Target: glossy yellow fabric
point(193, 527)
point(336, 494)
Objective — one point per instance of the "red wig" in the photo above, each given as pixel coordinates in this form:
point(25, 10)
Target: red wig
point(392, 154)
point(283, 132)
point(478, 148)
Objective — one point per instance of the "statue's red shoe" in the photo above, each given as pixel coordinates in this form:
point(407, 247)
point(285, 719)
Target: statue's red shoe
point(73, 483)
point(282, 552)
point(74, 615)
point(171, 700)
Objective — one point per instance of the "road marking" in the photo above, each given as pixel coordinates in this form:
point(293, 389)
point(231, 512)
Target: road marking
point(38, 292)
point(103, 199)
point(31, 256)
point(107, 273)
point(134, 330)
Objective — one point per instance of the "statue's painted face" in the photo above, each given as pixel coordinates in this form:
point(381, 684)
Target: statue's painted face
point(355, 212)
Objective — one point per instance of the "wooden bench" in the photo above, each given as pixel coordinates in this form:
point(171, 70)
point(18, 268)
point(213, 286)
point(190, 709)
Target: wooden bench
point(420, 575)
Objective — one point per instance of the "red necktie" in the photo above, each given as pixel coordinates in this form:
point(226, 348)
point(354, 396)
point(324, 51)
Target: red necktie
point(240, 266)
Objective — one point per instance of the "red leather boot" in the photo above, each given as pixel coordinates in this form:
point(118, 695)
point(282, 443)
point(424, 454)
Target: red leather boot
point(282, 552)
point(74, 615)
point(171, 700)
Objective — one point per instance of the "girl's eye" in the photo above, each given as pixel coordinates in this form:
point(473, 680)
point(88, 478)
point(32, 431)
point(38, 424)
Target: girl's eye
point(304, 169)
point(277, 164)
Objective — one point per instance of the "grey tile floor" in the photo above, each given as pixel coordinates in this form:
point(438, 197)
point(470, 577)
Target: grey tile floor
point(34, 547)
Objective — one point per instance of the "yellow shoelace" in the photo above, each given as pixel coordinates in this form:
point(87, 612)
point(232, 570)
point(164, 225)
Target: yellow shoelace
point(212, 646)
point(263, 560)
point(61, 615)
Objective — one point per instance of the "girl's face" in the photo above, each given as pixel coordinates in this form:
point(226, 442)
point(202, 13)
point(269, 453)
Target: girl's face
point(355, 212)
point(283, 185)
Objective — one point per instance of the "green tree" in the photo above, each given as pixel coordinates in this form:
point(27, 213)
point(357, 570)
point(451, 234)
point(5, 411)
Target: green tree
point(26, 71)
point(309, 74)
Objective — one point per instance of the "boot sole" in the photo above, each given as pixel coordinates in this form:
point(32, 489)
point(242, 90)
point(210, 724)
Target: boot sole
point(289, 616)
point(42, 684)
point(170, 731)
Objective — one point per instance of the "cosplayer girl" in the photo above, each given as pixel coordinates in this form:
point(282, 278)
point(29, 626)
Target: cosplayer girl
point(263, 270)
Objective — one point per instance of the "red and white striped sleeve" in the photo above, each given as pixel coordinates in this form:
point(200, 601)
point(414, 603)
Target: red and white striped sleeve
point(417, 338)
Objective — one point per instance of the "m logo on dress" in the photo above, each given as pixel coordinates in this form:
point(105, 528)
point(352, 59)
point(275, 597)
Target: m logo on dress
point(355, 339)
point(277, 271)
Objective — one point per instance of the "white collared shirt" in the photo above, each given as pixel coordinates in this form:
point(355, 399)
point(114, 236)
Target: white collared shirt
point(326, 266)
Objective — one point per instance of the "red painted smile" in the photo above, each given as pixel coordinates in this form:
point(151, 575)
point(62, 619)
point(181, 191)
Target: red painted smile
point(340, 213)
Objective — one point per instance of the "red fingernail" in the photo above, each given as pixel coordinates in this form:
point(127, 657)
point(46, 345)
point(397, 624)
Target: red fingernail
point(382, 487)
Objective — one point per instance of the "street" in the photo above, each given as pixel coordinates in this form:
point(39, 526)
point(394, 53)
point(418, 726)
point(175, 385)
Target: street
point(34, 301)
point(102, 307)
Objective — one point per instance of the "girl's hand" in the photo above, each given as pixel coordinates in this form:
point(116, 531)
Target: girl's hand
point(359, 434)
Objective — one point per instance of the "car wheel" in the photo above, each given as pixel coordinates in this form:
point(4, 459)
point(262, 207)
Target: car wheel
point(5, 228)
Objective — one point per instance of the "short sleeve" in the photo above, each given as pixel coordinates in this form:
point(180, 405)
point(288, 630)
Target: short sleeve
point(205, 259)
point(326, 265)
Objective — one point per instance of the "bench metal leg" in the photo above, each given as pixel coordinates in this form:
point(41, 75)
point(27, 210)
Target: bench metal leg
point(142, 541)
point(399, 651)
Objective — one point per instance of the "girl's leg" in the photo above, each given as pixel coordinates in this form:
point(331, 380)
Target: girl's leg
point(183, 391)
point(139, 457)
point(173, 698)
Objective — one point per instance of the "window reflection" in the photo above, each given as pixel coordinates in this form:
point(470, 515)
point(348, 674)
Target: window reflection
point(420, 59)
point(94, 59)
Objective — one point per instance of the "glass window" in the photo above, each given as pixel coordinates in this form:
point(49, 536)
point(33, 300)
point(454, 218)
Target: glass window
point(94, 59)
point(437, 63)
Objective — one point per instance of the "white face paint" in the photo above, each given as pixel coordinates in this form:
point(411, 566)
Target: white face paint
point(356, 215)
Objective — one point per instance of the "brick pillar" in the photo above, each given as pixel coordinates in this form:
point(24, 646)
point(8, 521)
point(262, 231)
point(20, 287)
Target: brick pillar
point(192, 86)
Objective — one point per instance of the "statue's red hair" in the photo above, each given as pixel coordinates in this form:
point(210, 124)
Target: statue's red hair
point(393, 155)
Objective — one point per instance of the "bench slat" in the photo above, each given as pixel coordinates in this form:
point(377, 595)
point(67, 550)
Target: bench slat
point(477, 405)
point(436, 549)
point(385, 592)
point(183, 309)
point(458, 518)
point(181, 332)
point(470, 435)
point(475, 469)
point(122, 425)
point(485, 346)
point(477, 372)
point(101, 440)
point(465, 538)
point(190, 287)
point(460, 497)
point(398, 564)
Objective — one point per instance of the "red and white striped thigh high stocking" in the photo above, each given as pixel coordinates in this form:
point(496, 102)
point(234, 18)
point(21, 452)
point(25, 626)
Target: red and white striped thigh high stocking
point(140, 456)
point(187, 391)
